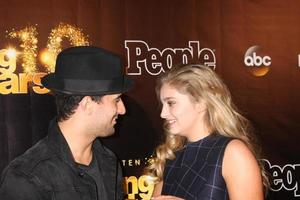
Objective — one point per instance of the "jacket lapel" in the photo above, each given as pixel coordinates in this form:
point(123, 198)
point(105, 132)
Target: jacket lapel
point(107, 167)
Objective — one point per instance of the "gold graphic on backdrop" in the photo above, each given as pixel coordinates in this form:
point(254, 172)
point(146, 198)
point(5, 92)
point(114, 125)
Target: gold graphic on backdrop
point(138, 187)
point(17, 83)
point(28, 37)
point(75, 36)
point(13, 82)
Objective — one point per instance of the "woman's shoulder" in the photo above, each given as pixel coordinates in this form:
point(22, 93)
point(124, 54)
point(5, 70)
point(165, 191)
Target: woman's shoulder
point(237, 149)
point(241, 172)
point(238, 158)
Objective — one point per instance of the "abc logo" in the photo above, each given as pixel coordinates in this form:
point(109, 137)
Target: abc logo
point(257, 65)
point(257, 61)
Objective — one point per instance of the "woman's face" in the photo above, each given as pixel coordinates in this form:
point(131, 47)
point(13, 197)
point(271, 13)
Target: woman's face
point(182, 115)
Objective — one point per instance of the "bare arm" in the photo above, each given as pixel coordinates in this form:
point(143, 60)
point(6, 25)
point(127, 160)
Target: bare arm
point(241, 173)
point(157, 189)
point(157, 193)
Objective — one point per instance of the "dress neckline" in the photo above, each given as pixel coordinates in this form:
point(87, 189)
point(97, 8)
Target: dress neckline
point(201, 140)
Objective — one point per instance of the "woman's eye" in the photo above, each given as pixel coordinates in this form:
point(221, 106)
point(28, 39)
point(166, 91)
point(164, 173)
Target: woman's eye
point(171, 103)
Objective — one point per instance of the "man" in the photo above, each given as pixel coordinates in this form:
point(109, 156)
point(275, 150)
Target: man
point(69, 163)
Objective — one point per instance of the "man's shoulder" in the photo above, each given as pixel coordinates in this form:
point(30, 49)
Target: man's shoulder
point(21, 178)
point(28, 161)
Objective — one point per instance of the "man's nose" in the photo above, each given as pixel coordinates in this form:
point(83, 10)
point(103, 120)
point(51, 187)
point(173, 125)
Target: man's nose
point(121, 108)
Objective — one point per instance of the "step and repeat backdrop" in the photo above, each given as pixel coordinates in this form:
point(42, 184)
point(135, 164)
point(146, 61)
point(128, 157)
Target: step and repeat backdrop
point(254, 45)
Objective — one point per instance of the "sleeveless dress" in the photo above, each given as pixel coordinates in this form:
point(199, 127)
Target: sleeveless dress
point(196, 173)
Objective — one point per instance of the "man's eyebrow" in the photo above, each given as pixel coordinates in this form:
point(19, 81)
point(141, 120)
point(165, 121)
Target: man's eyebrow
point(119, 96)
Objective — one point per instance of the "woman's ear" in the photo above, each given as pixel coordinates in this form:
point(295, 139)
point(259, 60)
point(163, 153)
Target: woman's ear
point(201, 106)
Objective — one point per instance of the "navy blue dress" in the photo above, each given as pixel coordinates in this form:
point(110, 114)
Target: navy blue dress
point(196, 173)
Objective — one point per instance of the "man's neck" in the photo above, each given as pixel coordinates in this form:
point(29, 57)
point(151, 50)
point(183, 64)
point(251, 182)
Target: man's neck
point(79, 142)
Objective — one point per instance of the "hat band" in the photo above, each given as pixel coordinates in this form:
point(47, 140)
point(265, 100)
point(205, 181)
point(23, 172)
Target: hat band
point(78, 85)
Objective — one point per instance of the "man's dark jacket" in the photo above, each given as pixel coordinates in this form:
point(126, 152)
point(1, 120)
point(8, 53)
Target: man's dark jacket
point(48, 171)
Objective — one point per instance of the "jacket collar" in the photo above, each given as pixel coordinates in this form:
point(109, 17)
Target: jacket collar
point(60, 146)
point(105, 158)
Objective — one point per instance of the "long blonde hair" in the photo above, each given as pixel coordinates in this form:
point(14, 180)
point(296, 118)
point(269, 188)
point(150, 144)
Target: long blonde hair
point(202, 83)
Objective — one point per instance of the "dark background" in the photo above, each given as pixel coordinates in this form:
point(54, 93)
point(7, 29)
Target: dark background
point(228, 28)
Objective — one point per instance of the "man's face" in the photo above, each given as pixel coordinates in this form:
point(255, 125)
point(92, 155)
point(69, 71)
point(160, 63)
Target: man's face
point(105, 114)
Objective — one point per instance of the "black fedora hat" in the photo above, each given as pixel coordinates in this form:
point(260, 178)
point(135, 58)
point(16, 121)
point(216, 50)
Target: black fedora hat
point(87, 70)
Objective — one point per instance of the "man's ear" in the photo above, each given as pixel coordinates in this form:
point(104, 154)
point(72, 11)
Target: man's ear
point(86, 104)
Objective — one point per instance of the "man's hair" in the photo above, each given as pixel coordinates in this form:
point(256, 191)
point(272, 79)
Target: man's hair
point(66, 104)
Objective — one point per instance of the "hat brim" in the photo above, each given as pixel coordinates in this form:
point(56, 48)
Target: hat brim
point(87, 87)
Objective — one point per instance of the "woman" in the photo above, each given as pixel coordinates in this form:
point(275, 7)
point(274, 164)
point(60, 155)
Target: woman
point(208, 152)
